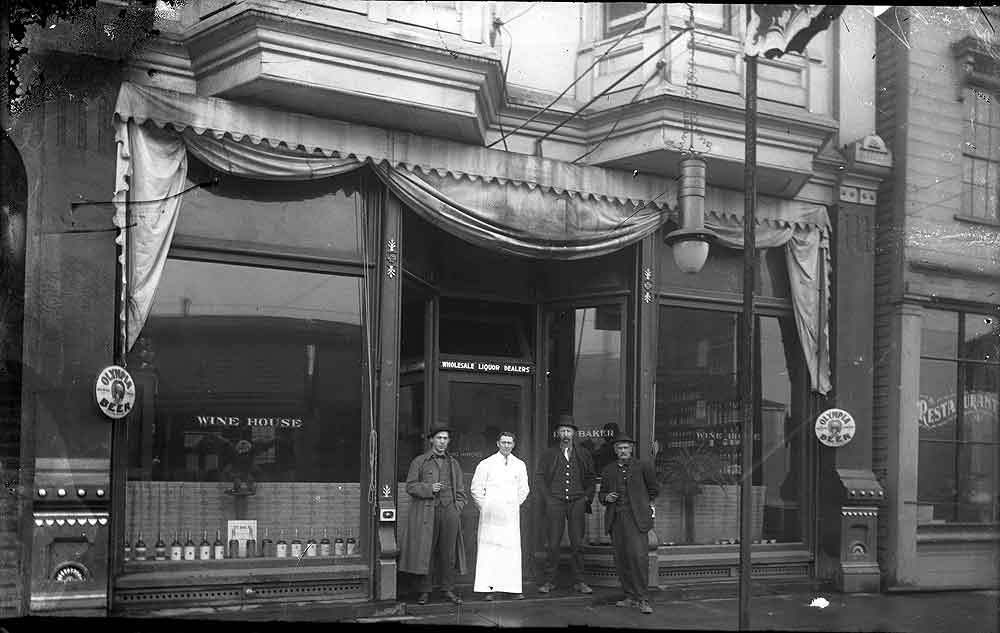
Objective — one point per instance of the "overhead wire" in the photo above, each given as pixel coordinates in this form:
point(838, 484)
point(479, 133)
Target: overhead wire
point(636, 25)
point(659, 66)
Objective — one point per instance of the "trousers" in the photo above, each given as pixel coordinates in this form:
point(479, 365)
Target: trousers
point(443, 550)
point(630, 554)
point(560, 514)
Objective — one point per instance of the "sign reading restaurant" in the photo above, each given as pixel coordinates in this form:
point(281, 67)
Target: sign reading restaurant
point(486, 366)
point(941, 410)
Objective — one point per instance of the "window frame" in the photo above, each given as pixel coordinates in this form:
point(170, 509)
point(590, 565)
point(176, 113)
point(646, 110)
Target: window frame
point(973, 154)
point(807, 458)
point(960, 366)
point(615, 27)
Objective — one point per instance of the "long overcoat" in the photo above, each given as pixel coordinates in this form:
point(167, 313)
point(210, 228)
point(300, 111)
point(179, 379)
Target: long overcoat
point(415, 550)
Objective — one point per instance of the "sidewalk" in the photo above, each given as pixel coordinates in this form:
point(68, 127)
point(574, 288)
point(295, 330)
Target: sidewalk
point(674, 609)
point(968, 612)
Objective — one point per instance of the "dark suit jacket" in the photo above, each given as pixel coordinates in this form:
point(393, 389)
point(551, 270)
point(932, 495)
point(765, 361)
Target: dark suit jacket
point(552, 458)
point(642, 489)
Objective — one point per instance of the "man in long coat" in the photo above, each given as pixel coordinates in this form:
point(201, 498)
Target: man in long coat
point(564, 482)
point(434, 541)
point(499, 487)
point(628, 487)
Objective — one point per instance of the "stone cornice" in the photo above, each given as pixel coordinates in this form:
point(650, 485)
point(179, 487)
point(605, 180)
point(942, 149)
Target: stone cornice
point(979, 61)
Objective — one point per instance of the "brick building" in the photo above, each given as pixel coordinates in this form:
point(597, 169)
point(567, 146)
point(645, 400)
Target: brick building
point(936, 289)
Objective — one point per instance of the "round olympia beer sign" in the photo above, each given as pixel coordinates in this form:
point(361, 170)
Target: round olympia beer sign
point(115, 392)
point(835, 427)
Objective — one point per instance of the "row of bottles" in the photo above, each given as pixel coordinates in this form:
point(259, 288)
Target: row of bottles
point(218, 550)
point(704, 413)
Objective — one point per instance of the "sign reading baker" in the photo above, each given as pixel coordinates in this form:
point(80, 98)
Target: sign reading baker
point(835, 427)
point(115, 392)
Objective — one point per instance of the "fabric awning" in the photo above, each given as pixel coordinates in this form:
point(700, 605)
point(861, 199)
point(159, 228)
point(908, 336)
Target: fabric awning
point(514, 203)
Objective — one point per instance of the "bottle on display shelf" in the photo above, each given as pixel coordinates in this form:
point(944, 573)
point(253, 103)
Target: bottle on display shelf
point(139, 551)
point(281, 547)
point(351, 547)
point(251, 547)
point(311, 550)
point(190, 549)
point(295, 551)
point(234, 548)
point(266, 546)
point(338, 546)
point(127, 554)
point(176, 549)
point(324, 544)
point(218, 548)
point(204, 548)
point(160, 548)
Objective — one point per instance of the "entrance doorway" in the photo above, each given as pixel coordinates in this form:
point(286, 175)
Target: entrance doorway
point(468, 364)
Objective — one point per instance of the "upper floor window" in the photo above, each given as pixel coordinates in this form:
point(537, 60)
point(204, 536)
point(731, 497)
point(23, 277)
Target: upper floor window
point(619, 17)
point(714, 17)
point(981, 160)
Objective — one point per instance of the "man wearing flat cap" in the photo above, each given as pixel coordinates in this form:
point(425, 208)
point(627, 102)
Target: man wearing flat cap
point(433, 543)
point(628, 487)
point(565, 482)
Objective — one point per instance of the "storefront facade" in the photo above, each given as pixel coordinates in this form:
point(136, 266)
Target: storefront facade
point(937, 410)
point(297, 298)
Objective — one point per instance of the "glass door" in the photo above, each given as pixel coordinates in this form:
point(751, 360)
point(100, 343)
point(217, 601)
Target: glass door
point(478, 407)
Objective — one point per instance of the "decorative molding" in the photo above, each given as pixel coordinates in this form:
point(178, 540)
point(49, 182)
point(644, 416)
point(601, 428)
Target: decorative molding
point(647, 285)
point(317, 61)
point(391, 258)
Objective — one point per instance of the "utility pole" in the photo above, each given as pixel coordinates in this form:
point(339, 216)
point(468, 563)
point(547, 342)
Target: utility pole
point(747, 391)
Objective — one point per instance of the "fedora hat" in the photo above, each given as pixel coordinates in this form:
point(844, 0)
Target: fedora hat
point(438, 428)
point(565, 419)
point(623, 437)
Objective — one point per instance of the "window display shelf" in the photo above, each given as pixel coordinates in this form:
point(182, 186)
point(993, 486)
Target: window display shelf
point(239, 563)
point(170, 573)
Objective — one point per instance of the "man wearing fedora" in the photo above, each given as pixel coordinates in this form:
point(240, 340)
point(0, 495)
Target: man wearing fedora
point(565, 482)
point(628, 487)
point(433, 543)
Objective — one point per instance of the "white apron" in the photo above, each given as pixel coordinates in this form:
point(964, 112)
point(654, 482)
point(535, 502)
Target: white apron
point(499, 490)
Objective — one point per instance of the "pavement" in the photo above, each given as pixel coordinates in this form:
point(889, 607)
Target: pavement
point(966, 612)
point(701, 609)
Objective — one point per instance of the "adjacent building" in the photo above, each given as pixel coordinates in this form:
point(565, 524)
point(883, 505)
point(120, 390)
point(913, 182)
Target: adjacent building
point(937, 282)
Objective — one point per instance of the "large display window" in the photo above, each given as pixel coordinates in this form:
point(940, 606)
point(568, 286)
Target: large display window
point(247, 440)
point(958, 464)
point(698, 437)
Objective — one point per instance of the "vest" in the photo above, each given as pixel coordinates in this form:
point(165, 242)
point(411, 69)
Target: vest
point(567, 480)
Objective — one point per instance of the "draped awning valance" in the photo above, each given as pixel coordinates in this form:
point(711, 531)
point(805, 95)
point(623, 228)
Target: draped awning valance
point(515, 203)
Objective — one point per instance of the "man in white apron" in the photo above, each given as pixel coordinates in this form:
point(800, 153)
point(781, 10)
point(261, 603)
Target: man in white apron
point(499, 487)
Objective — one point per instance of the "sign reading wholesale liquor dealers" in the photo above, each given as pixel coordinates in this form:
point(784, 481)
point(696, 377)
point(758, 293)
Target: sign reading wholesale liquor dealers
point(835, 427)
point(486, 366)
point(115, 392)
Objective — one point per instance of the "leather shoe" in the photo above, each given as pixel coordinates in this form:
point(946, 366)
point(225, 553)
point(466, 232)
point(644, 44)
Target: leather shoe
point(422, 598)
point(450, 595)
point(644, 607)
point(582, 588)
point(547, 587)
point(517, 596)
point(488, 597)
